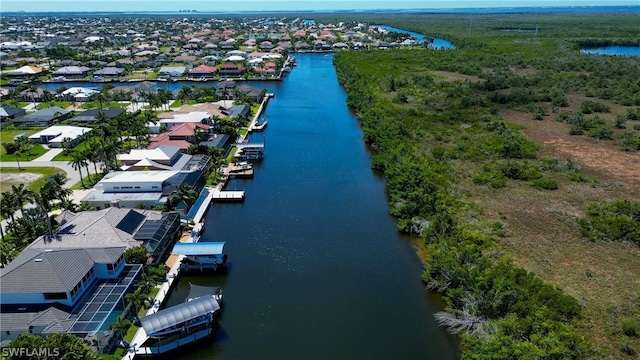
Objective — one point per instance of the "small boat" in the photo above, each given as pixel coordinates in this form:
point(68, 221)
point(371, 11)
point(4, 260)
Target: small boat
point(242, 166)
point(260, 125)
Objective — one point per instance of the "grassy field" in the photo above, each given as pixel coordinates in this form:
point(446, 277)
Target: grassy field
point(7, 135)
point(61, 104)
point(35, 152)
point(176, 104)
point(33, 177)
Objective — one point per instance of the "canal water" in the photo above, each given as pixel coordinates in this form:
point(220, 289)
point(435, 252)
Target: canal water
point(317, 269)
point(437, 42)
point(614, 50)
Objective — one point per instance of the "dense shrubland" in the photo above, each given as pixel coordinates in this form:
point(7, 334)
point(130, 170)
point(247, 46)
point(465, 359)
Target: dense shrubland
point(424, 129)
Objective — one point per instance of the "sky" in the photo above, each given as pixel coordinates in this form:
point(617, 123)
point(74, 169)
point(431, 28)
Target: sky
point(280, 5)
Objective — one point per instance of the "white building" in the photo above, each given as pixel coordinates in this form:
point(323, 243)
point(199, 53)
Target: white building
point(55, 135)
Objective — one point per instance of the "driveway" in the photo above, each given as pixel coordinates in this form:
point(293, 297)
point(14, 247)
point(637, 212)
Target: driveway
point(49, 155)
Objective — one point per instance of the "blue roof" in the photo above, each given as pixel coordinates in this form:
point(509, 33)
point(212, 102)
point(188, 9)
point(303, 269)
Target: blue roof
point(199, 248)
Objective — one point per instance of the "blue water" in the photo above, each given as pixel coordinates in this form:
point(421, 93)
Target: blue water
point(614, 50)
point(437, 42)
point(317, 267)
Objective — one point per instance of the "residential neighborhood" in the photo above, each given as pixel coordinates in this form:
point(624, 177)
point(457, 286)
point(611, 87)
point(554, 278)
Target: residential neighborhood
point(116, 137)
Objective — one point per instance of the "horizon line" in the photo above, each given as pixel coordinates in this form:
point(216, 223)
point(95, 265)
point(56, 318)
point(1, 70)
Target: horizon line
point(438, 9)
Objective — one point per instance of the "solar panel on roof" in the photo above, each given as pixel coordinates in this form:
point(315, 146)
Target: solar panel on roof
point(130, 222)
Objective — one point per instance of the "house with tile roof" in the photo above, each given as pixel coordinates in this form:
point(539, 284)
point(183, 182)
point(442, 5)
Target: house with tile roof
point(181, 136)
point(26, 72)
point(203, 71)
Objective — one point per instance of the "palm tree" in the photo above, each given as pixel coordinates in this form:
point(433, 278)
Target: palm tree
point(184, 193)
point(77, 162)
point(184, 94)
point(22, 194)
point(8, 205)
point(164, 96)
point(54, 188)
point(8, 252)
point(121, 326)
point(91, 154)
point(145, 283)
point(43, 201)
point(136, 299)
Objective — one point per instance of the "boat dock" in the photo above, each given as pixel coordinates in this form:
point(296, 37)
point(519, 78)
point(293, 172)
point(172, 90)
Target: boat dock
point(220, 195)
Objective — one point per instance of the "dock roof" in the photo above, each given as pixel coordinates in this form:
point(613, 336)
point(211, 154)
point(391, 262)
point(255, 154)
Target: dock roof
point(199, 248)
point(178, 314)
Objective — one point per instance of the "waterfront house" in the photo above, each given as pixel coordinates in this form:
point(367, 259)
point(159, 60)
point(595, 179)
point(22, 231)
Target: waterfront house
point(172, 119)
point(149, 188)
point(171, 71)
point(26, 72)
point(216, 110)
point(239, 111)
point(230, 69)
point(164, 157)
point(48, 290)
point(43, 117)
point(222, 141)
point(109, 72)
point(181, 136)
point(251, 92)
point(73, 72)
point(203, 71)
point(55, 135)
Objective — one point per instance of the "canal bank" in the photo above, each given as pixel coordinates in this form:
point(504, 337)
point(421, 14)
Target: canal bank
point(317, 268)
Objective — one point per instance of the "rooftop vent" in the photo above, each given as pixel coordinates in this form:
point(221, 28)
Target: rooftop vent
point(37, 260)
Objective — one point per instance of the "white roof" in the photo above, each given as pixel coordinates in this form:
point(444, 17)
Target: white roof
point(194, 116)
point(179, 314)
point(234, 58)
point(79, 90)
point(62, 132)
point(138, 176)
point(162, 152)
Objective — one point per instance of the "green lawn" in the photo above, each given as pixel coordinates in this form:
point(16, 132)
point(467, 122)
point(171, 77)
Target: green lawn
point(89, 181)
point(254, 109)
point(178, 103)
point(62, 104)
point(21, 104)
point(46, 172)
point(141, 75)
point(7, 134)
point(34, 152)
point(229, 157)
point(63, 157)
